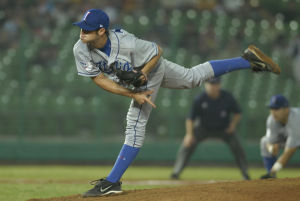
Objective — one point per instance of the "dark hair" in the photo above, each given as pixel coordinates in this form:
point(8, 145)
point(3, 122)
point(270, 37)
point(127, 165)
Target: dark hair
point(106, 31)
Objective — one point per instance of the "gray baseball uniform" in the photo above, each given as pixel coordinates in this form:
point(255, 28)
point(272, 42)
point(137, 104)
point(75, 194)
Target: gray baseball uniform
point(286, 135)
point(127, 53)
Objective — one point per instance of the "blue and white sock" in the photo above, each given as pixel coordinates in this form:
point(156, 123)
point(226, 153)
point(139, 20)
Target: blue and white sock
point(221, 67)
point(125, 158)
point(269, 162)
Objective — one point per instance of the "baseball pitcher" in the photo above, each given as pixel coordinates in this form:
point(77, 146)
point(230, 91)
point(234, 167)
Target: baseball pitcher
point(121, 63)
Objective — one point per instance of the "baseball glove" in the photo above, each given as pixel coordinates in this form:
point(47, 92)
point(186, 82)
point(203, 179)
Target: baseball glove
point(136, 77)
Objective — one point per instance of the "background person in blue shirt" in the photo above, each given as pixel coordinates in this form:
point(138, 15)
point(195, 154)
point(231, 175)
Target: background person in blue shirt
point(215, 114)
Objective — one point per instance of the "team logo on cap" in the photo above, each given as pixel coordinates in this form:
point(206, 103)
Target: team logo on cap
point(86, 15)
point(273, 100)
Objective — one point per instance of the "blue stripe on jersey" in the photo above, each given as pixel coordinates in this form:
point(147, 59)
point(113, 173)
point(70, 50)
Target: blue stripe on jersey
point(92, 74)
point(156, 48)
point(134, 128)
point(118, 45)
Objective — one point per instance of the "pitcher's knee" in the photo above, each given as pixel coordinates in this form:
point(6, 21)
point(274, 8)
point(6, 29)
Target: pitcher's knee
point(134, 140)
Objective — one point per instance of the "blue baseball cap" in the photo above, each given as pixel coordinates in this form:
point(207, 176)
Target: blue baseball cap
point(93, 19)
point(278, 101)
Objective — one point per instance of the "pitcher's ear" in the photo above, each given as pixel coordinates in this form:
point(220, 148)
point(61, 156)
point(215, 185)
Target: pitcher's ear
point(101, 31)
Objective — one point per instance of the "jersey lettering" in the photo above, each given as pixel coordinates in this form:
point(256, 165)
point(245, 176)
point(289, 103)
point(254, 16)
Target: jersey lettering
point(118, 65)
point(123, 65)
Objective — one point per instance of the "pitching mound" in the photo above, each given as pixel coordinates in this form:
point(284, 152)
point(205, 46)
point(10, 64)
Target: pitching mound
point(258, 190)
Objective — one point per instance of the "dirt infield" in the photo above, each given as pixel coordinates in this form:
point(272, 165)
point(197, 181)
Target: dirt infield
point(257, 190)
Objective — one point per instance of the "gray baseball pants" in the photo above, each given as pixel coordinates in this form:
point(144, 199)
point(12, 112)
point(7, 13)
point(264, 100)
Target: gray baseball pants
point(167, 75)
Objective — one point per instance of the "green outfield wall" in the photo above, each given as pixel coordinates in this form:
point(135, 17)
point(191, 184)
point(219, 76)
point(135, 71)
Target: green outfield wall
point(97, 153)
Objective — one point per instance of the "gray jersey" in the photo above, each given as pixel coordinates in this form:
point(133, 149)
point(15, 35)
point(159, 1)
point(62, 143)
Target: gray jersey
point(127, 52)
point(288, 134)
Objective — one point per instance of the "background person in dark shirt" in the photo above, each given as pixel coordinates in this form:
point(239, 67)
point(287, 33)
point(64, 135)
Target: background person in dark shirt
point(211, 117)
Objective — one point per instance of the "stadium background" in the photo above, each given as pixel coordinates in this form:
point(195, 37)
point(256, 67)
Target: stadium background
point(50, 114)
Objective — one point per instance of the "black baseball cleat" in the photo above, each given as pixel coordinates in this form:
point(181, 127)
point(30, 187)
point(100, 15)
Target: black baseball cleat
point(268, 176)
point(174, 176)
point(259, 61)
point(246, 177)
point(103, 187)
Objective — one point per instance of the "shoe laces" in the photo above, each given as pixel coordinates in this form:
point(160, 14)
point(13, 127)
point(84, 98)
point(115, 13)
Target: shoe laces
point(95, 182)
point(98, 181)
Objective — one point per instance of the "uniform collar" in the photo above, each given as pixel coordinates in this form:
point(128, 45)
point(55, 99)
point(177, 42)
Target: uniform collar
point(115, 48)
point(107, 47)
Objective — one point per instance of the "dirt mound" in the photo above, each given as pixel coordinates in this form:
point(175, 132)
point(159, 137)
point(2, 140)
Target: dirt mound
point(257, 190)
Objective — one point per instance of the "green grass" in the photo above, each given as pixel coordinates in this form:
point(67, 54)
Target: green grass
point(20, 183)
